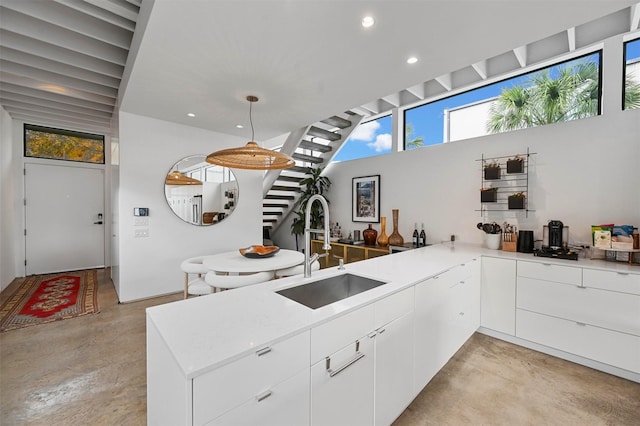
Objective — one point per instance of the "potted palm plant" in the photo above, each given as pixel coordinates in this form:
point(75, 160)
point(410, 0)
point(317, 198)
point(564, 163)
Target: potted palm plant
point(515, 165)
point(516, 201)
point(492, 170)
point(489, 195)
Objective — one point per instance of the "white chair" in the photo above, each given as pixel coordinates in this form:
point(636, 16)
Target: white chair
point(296, 270)
point(196, 286)
point(225, 281)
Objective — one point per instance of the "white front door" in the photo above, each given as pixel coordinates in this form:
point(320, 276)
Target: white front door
point(64, 215)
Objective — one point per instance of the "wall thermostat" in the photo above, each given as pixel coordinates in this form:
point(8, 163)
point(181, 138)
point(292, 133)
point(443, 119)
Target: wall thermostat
point(141, 211)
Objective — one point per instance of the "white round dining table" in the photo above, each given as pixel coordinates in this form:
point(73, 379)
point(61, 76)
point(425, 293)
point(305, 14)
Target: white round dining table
point(233, 262)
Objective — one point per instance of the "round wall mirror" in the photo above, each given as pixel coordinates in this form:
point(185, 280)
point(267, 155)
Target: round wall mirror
point(200, 193)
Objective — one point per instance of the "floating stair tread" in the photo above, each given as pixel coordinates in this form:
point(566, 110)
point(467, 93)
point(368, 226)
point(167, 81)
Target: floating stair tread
point(307, 158)
point(295, 179)
point(314, 146)
point(286, 188)
point(324, 134)
point(336, 121)
point(279, 197)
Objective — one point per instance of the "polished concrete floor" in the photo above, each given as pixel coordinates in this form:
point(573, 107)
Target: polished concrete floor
point(91, 371)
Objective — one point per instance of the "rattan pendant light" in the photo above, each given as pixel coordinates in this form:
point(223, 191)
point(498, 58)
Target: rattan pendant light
point(251, 156)
point(177, 178)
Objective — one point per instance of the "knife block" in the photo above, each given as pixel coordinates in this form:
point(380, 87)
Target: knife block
point(509, 242)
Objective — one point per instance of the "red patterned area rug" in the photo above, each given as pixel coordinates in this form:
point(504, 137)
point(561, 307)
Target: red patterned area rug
point(46, 298)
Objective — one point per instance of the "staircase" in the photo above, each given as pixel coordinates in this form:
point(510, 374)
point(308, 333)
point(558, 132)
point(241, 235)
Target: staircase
point(311, 146)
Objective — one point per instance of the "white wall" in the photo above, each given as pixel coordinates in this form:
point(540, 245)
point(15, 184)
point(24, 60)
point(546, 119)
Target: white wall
point(8, 218)
point(585, 172)
point(148, 149)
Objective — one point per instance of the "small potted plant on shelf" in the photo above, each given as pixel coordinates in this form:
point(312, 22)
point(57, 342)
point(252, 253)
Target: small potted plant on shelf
point(516, 201)
point(515, 165)
point(489, 195)
point(492, 170)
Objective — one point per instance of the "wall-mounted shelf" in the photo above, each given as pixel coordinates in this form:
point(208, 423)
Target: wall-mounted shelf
point(509, 177)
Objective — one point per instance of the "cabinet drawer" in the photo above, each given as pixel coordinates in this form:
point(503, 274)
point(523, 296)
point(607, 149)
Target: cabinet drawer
point(610, 280)
point(610, 347)
point(284, 404)
point(550, 272)
point(338, 333)
point(222, 389)
point(607, 309)
point(394, 306)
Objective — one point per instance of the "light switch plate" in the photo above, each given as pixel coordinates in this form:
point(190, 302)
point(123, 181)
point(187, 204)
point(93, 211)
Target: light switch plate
point(141, 233)
point(141, 221)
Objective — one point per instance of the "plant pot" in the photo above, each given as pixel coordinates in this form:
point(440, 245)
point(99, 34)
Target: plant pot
point(492, 173)
point(515, 166)
point(488, 196)
point(516, 203)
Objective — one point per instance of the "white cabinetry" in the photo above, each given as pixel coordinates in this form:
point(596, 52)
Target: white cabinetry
point(595, 317)
point(447, 312)
point(368, 381)
point(498, 295)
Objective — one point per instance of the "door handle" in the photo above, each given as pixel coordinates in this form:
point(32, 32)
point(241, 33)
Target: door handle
point(98, 222)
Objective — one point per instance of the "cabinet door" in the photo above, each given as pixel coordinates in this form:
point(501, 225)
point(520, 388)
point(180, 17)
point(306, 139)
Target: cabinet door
point(342, 394)
point(284, 404)
point(394, 369)
point(464, 307)
point(498, 295)
point(430, 318)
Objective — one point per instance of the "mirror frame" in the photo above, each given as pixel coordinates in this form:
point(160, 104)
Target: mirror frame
point(185, 179)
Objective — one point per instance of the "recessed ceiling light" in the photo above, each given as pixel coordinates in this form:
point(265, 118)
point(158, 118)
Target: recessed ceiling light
point(368, 21)
point(239, 126)
point(412, 60)
point(190, 114)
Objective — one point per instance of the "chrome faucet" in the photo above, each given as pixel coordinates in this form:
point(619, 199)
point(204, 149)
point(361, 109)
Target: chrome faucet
point(308, 258)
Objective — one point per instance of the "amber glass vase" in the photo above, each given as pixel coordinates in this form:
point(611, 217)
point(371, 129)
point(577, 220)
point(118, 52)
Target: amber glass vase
point(383, 240)
point(395, 239)
point(369, 236)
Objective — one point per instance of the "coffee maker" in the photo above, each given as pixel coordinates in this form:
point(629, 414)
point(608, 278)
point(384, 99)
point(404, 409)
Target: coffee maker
point(555, 241)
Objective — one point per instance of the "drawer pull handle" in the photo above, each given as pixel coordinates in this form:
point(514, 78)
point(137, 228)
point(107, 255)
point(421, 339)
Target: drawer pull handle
point(581, 286)
point(461, 314)
point(264, 395)
point(358, 356)
point(622, 273)
point(381, 330)
point(581, 323)
point(263, 351)
point(546, 264)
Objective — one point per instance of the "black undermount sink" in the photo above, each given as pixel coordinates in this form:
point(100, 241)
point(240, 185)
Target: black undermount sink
point(329, 290)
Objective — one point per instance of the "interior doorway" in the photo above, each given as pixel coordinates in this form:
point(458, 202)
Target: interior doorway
point(64, 218)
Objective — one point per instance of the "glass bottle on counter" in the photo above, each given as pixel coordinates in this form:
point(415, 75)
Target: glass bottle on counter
point(416, 242)
point(422, 240)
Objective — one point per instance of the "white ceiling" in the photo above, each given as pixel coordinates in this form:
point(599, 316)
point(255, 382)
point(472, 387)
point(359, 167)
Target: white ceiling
point(309, 59)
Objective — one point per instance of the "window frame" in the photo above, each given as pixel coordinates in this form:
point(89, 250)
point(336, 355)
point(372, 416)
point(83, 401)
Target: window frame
point(63, 132)
point(599, 50)
point(624, 70)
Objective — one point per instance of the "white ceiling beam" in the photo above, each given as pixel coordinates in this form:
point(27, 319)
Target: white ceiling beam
point(60, 80)
point(27, 92)
point(45, 32)
point(58, 67)
point(445, 81)
point(417, 90)
point(98, 12)
point(393, 99)
point(521, 55)
point(119, 7)
point(40, 107)
point(635, 17)
point(481, 69)
point(55, 53)
point(53, 116)
point(571, 38)
point(361, 111)
point(21, 80)
point(372, 107)
point(70, 19)
point(60, 123)
point(30, 100)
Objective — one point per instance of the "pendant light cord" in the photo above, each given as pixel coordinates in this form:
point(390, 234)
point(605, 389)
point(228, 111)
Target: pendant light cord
point(251, 122)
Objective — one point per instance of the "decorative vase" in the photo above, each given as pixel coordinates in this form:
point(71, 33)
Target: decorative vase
point(369, 236)
point(395, 239)
point(383, 240)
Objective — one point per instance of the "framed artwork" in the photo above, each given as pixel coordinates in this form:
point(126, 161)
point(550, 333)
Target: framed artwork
point(365, 195)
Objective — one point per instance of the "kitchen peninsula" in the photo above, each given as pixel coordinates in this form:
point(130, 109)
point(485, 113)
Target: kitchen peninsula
point(251, 353)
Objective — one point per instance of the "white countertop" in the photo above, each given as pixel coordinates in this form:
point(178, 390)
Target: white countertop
point(206, 332)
